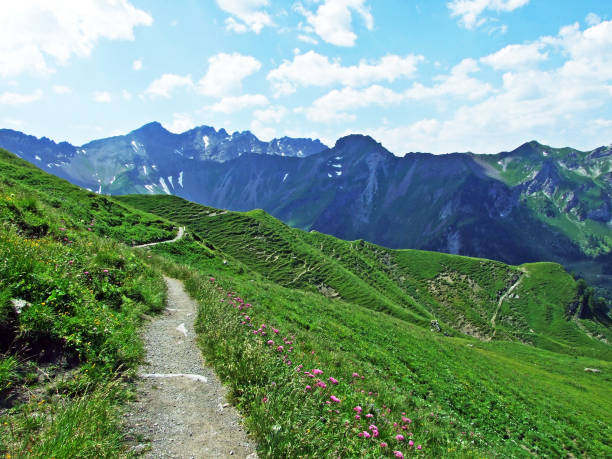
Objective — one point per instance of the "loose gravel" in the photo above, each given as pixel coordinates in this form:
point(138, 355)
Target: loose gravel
point(181, 409)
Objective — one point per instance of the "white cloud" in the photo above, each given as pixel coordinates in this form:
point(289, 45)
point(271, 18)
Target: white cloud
point(14, 98)
point(103, 97)
point(334, 105)
point(237, 103)
point(592, 19)
point(552, 106)
point(333, 20)
point(313, 69)
point(308, 39)
point(457, 84)
point(263, 132)
point(273, 114)
point(225, 74)
point(180, 123)
point(514, 56)
point(38, 34)
point(60, 89)
point(127, 95)
point(166, 84)
point(247, 15)
point(470, 11)
point(137, 65)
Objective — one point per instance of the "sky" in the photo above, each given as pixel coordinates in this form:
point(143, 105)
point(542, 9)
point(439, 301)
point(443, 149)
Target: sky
point(417, 75)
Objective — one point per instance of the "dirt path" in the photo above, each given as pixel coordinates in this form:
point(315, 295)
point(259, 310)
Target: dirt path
point(501, 300)
point(181, 410)
point(179, 235)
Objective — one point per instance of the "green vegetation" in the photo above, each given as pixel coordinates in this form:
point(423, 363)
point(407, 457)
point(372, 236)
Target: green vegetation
point(492, 397)
point(329, 348)
point(71, 301)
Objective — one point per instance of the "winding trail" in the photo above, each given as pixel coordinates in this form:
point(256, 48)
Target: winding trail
point(501, 300)
point(180, 409)
point(179, 235)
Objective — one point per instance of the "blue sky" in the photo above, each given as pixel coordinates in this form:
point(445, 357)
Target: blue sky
point(436, 76)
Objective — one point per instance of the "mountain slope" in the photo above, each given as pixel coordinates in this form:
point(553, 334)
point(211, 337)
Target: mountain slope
point(535, 203)
point(332, 309)
point(143, 153)
point(347, 308)
point(461, 293)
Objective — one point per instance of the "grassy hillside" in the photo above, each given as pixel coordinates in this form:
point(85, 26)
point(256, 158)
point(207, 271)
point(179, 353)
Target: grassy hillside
point(71, 300)
point(505, 377)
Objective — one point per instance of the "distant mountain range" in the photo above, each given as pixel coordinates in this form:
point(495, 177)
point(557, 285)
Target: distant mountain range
point(533, 203)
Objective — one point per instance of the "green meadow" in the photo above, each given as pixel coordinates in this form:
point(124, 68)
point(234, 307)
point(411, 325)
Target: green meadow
point(330, 348)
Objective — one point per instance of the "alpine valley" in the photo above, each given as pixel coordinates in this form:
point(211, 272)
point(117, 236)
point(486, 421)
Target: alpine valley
point(535, 203)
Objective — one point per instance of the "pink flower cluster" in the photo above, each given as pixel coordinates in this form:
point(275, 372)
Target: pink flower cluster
point(282, 350)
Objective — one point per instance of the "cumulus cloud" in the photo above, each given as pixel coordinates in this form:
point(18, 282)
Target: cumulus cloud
point(137, 65)
point(458, 84)
point(225, 74)
point(550, 105)
point(332, 21)
point(313, 69)
point(274, 114)
point(39, 34)
point(15, 98)
point(335, 105)
point(180, 123)
point(592, 19)
point(470, 11)
point(514, 56)
point(166, 84)
point(60, 89)
point(102, 97)
point(234, 104)
point(246, 15)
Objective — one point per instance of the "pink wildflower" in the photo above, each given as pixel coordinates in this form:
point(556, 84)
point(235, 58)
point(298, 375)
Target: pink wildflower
point(357, 417)
point(369, 415)
point(279, 348)
point(373, 427)
point(270, 342)
point(365, 434)
point(321, 384)
point(212, 279)
point(398, 454)
point(265, 399)
point(105, 270)
point(307, 388)
point(333, 380)
point(399, 437)
point(334, 399)
point(383, 444)
point(410, 443)
point(355, 375)
point(419, 447)
point(358, 409)
point(316, 371)
point(274, 330)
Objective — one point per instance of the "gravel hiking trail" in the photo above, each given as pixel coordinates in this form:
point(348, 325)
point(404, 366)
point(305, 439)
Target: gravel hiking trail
point(179, 235)
point(181, 409)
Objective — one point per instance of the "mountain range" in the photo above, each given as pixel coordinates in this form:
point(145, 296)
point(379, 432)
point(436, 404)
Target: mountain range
point(530, 204)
